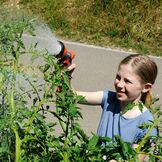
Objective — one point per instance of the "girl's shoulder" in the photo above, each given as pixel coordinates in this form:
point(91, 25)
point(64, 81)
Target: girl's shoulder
point(109, 101)
point(109, 96)
point(146, 114)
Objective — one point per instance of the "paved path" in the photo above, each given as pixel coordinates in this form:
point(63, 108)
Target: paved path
point(96, 70)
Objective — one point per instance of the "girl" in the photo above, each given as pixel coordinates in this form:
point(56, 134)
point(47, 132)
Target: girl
point(134, 80)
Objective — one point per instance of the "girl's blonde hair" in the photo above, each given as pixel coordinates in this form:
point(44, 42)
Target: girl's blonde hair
point(147, 71)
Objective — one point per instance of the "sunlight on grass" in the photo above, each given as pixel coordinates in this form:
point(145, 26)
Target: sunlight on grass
point(124, 24)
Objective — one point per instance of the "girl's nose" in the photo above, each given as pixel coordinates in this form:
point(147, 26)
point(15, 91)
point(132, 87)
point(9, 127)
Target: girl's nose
point(120, 84)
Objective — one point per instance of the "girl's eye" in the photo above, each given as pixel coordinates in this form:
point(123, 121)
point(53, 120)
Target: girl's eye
point(118, 77)
point(127, 81)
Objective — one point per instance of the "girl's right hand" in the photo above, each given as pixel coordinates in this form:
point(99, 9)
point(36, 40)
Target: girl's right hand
point(72, 67)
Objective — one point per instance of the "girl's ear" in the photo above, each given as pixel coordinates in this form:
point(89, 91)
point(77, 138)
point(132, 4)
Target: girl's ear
point(147, 87)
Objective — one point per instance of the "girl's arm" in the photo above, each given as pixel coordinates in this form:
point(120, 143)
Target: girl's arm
point(91, 98)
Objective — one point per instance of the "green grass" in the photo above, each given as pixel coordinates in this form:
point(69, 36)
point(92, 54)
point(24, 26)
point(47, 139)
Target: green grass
point(135, 25)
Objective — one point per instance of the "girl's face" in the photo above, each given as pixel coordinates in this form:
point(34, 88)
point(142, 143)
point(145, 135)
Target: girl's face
point(127, 84)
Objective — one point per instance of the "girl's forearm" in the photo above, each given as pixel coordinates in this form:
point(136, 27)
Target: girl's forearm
point(91, 98)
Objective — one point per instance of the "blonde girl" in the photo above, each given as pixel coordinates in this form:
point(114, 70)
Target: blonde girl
point(134, 79)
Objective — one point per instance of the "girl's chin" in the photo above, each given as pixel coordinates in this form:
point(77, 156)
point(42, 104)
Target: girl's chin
point(122, 98)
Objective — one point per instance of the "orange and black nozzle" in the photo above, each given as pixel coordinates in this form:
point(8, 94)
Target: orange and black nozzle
point(65, 57)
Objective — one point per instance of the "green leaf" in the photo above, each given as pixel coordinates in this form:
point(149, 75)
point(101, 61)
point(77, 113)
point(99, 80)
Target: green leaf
point(155, 100)
point(81, 133)
point(51, 124)
point(126, 148)
point(145, 125)
point(80, 99)
point(129, 106)
point(140, 105)
point(66, 80)
point(93, 142)
point(73, 111)
point(56, 115)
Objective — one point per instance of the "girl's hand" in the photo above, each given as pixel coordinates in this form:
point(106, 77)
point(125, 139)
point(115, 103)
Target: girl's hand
point(72, 67)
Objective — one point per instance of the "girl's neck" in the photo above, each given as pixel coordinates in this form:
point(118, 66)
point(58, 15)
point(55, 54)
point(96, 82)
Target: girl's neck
point(124, 104)
point(131, 105)
point(132, 109)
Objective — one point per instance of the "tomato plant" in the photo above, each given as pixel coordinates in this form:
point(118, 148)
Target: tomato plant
point(25, 134)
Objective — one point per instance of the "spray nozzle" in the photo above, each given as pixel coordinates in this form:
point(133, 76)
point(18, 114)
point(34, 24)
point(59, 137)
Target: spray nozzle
point(52, 45)
point(65, 57)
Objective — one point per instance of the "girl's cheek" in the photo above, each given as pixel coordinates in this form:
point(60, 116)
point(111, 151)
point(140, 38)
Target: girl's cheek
point(115, 83)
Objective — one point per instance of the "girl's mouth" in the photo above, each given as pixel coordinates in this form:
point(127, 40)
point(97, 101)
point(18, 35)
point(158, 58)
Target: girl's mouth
point(120, 94)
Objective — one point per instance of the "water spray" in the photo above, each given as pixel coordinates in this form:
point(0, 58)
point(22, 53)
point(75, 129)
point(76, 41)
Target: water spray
point(45, 40)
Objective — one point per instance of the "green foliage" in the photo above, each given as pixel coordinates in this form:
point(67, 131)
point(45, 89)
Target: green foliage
point(2, 1)
point(25, 133)
point(50, 10)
